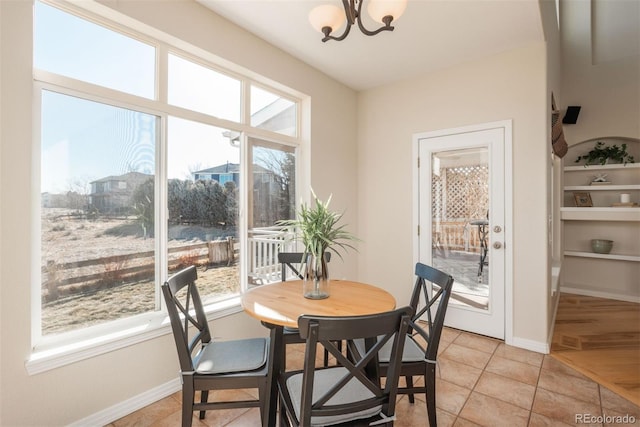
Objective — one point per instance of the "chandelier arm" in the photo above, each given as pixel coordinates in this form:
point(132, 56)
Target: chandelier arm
point(386, 27)
point(350, 13)
point(328, 37)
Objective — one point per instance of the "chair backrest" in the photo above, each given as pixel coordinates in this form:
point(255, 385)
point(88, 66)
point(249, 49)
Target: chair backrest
point(187, 304)
point(376, 330)
point(442, 283)
point(291, 259)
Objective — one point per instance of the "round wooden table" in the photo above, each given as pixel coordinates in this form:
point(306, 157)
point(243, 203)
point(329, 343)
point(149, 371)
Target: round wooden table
point(282, 303)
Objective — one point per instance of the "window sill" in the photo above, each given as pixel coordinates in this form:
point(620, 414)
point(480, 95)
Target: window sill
point(56, 354)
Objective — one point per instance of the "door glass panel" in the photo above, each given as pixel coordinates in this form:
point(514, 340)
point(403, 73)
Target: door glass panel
point(460, 224)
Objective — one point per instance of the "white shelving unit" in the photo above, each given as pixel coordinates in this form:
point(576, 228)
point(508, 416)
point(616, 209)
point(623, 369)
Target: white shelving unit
point(617, 274)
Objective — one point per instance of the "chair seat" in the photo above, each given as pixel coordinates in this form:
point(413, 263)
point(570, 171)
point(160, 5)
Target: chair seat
point(412, 352)
point(223, 357)
point(324, 379)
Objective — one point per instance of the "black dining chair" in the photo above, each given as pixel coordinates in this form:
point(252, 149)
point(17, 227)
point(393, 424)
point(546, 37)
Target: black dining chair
point(206, 364)
point(291, 264)
point(419, 359)
point(351, 391)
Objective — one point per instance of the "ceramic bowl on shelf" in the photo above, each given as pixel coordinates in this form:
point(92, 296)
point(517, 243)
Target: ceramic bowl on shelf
point(601, 246)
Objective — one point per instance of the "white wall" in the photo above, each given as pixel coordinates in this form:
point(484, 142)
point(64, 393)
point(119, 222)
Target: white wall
point(511, 85)
point(74, 392)
point(608, 92)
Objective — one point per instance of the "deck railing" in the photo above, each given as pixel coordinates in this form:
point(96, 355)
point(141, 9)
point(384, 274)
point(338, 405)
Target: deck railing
point(264, 245)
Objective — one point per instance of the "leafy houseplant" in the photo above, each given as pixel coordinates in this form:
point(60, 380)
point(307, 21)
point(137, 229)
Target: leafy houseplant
point(601, 154)
point(320, 232)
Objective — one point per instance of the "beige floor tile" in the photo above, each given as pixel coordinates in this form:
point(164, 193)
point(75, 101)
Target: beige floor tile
point(562, 408)
point(518, 371)
point(538, 420)
point(457, 373)
point(553, 364)
point(450, 397)
point(506, 389)
point(410, 415)
point(618, 404)
point(250, 418)
point(477, 342)
point(150, 414)
point(519, 354)
point(461, 422)
point(488, 411)
point(449, 335)
point(569, 385)
point(468, 356)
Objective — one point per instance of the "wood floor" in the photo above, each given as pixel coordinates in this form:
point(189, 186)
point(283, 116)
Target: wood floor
point(601, 339)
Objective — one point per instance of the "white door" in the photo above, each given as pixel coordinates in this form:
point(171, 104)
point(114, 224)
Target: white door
point(461, 215)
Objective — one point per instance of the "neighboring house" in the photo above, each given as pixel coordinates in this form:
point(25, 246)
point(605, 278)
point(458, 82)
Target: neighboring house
point(267, 189)
point(113, 194)
point(222, 174)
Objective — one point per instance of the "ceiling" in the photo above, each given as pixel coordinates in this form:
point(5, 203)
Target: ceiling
point(430, 35)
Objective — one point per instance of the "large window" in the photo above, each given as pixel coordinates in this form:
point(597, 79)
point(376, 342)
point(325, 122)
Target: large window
point(135, 185)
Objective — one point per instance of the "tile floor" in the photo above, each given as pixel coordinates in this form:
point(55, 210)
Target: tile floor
point(481, 382)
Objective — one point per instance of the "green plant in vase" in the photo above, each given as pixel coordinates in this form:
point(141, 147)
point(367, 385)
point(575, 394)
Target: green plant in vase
point(319, 230)
point(601, 154)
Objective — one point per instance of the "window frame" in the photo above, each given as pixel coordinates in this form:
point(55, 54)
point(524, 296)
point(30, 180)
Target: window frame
point(52, 351)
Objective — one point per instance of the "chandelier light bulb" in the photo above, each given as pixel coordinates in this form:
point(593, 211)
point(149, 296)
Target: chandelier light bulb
point(326, 15)
point(378, 9)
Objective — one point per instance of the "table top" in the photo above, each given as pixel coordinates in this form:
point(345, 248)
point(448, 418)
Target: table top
point(282, 303)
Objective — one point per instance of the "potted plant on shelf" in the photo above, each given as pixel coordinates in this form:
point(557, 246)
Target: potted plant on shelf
point(318, 229)
point(602, 155)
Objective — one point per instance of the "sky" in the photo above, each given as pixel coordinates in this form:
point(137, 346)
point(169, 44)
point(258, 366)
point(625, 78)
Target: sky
point(84, 140)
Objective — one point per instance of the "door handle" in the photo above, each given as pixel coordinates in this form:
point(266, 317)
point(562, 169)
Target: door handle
point(497, 245)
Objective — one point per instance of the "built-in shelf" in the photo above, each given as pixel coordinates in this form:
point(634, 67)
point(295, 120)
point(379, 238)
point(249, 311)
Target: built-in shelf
point(618, 257)
point(610, 187)
point(600, 214)
point(601, 167)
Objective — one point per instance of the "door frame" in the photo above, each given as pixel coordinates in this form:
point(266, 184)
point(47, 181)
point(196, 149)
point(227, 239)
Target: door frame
point(507, 126)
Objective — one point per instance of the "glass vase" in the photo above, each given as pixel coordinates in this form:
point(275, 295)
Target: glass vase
point(316, 277)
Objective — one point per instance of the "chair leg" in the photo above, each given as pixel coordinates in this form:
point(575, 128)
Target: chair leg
point(409, 380)
point(188, 396)
point(430, 384)
point(204, 397)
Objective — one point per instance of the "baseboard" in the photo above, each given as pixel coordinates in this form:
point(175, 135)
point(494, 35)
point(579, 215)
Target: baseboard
point(537, 346)
point(600, 294)
point(122, 409)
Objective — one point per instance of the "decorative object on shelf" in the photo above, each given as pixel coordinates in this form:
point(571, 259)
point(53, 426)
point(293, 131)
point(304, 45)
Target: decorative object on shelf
point(600, 179)
point(601, 246)
point(625, 202)
point(328, 17)
point(319, 232)
point(583, 199)
point(601, 154)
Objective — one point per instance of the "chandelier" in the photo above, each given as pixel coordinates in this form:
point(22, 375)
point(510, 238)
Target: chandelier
point(328, 17)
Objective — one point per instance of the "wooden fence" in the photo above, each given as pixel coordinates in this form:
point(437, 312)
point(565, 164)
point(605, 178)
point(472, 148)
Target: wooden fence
point(83, 275)
point(456, 235)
